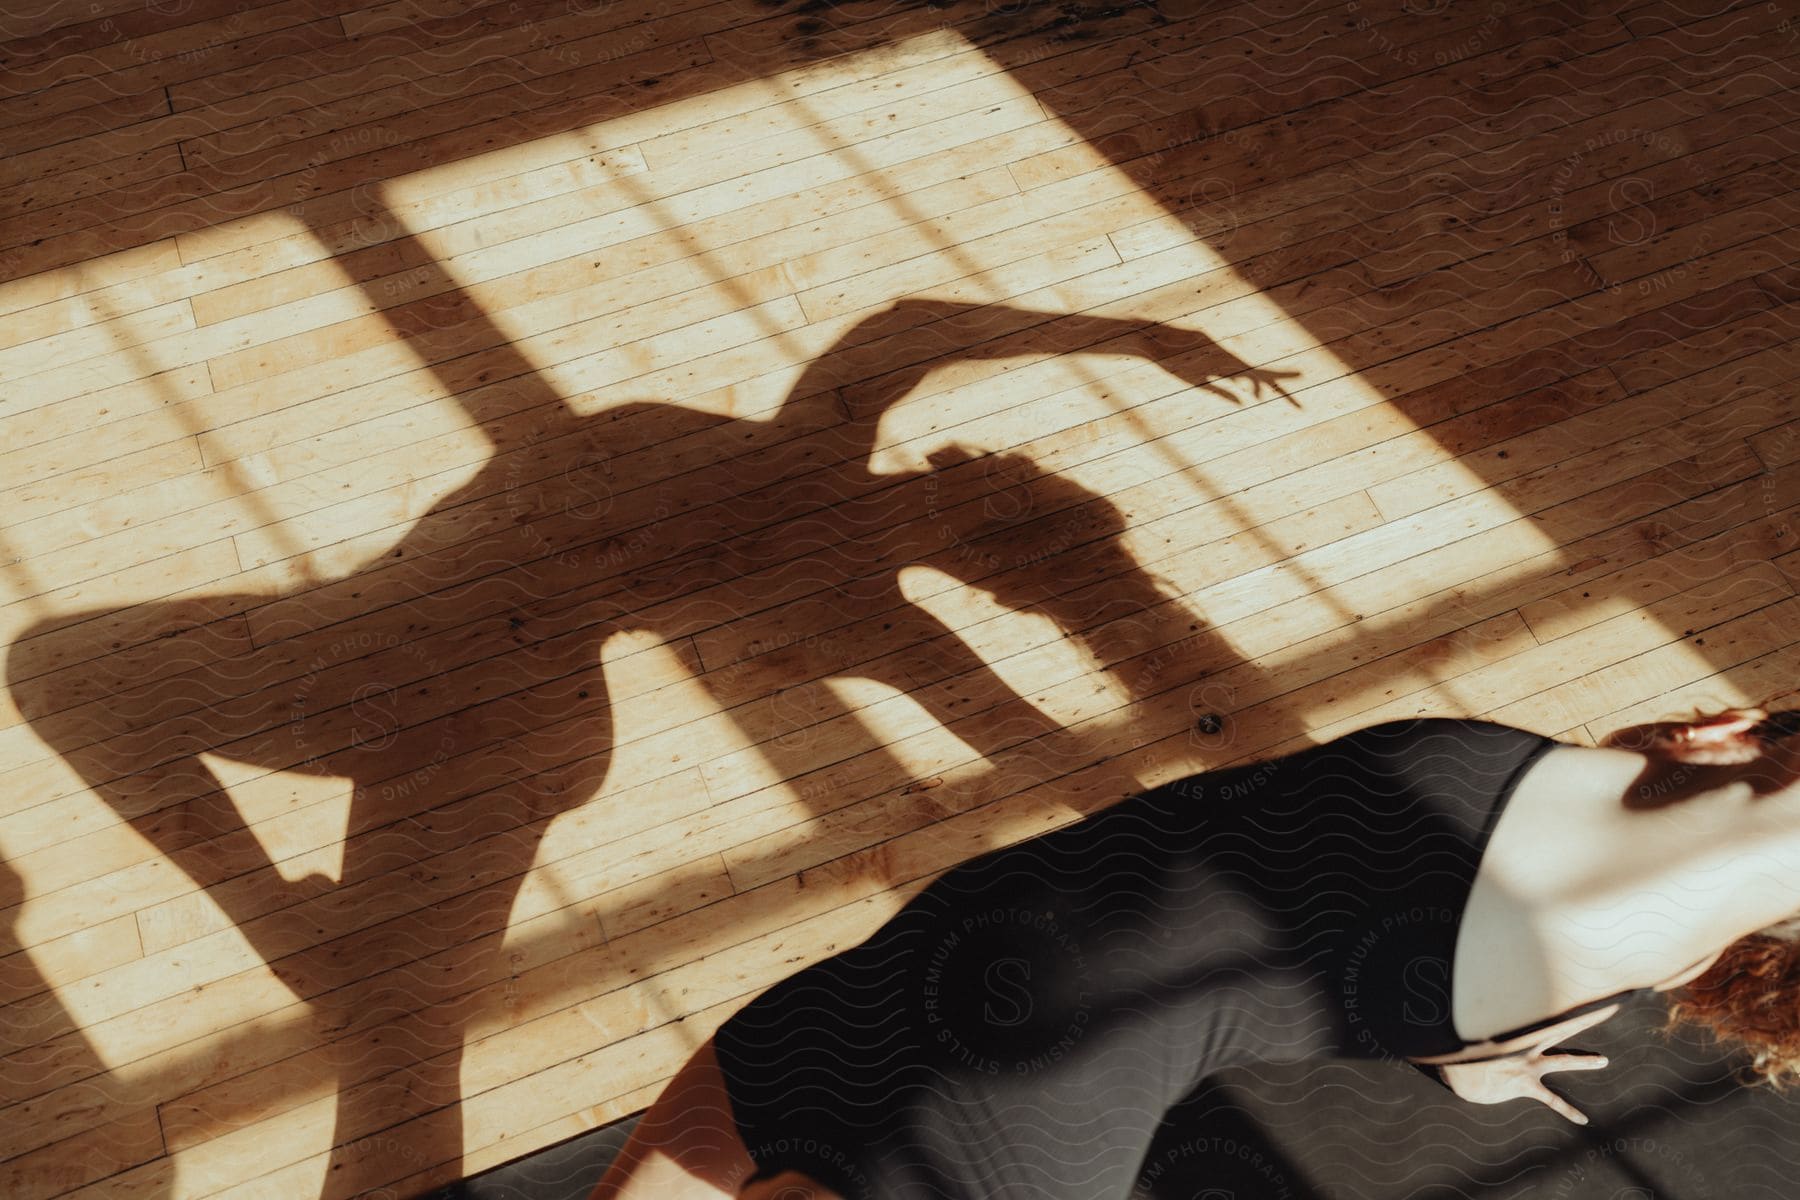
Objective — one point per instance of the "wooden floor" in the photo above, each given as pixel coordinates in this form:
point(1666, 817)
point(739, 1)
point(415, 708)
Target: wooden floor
point(522, 524)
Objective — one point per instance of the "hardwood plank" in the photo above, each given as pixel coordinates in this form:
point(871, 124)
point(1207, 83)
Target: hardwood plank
point(152, 75)
point(149, 260)
point(622, 130)
point(1790, 566)
point(336, 116)
point(117, 44)
point(1606, 645)
point(1778, 447)
point(578, 285)
point(61, 961)
point(1672, 665)
point(1553, 444)
point(69, 232)
point(541, 216)
point(1695, 565)
point(22, 205)
point(85, 1158)
point(1754, 680)
point(399, 14)
point(1350, 118)
point(23, 25)
point(297, 75)
point(105, 116)
point(1652, 24)
point(42, 445)
point(1650, 264)
point(103, 338)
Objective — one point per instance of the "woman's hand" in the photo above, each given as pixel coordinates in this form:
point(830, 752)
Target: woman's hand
point(1522, 1075)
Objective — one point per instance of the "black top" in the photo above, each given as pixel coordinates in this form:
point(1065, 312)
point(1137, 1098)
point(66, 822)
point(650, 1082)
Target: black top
point(1019, 1027)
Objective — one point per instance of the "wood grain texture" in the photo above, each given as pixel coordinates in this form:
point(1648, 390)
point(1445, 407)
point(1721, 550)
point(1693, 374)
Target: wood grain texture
point(522, 524)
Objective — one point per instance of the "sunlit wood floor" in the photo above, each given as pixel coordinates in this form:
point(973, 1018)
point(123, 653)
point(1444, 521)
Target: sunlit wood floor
point(522, 525)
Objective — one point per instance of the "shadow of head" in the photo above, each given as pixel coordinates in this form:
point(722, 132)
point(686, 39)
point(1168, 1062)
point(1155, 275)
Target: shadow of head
point(1041, 542)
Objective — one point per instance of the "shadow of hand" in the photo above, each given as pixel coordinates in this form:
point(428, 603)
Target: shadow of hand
point(1193, 356)
point(1259, 378)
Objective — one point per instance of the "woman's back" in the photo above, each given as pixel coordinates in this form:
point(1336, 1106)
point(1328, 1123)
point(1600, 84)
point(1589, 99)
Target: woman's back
point(1613, 869)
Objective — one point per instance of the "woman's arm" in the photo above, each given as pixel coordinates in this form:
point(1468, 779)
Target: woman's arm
point(1516, 1077)
point(1517, 1074)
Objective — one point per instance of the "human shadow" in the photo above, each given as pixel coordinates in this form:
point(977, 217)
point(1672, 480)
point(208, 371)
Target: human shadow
point(454, 677)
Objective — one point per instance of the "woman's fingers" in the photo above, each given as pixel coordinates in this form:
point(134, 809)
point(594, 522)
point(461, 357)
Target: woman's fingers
point(1565, 1062)
point(1560, 1105)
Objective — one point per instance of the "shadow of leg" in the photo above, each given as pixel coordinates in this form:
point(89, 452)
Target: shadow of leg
point(41, 1042)
point(395, 1012)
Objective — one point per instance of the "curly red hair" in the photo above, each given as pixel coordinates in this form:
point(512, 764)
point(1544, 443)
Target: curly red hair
point(1749, 999)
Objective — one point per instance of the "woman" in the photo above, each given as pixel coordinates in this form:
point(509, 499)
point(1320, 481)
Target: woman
point(1021, 1025)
